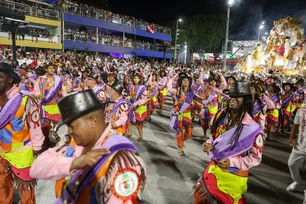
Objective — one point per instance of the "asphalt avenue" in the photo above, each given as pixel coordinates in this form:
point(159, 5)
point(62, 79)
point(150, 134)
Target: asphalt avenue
point(170, 178)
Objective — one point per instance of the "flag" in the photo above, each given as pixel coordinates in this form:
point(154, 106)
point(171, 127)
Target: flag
point(150, 29)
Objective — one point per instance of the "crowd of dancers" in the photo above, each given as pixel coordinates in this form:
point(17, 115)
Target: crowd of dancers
point(100, 101)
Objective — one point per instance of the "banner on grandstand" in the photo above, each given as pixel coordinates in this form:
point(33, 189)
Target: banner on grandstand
point(150, 29)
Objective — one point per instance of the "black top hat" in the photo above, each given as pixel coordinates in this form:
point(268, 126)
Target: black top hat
point(231, 77)
point(240, 89)
point(117, 87)
point(275, 88)
point(259, 86)
point(289, 84)
point(75, 73)
point(93, 76)
point(300, 81)
point(183, 76)
point(39, 71)
point(113, 74)
point(78, 104)
point(65, 69)
point(9, 70)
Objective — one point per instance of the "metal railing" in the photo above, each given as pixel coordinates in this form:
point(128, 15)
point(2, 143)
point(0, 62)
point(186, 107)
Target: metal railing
point(30, 10)
point(113, 18)
point(77, 37)
point(45, 13)
point(17, 7)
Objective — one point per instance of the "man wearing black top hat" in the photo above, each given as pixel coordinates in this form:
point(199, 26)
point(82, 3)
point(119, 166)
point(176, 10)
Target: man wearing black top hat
point(29, 82)
point(235, 146)
point(76, 81)
point(117, 112)
point(111, 78)
point(21, 136)
point(97, 160)
point(92, 81)
point(300, 93)
point(66, 78)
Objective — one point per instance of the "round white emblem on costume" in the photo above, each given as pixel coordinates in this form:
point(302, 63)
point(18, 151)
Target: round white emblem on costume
point(35, 116)
point(124, 107)
point(259, 142)
point(101, 94)
point(126, 184)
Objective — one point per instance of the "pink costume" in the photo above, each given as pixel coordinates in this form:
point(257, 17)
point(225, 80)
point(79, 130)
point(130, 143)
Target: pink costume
point(30, 86)
point(53, 165)
point(20, 135)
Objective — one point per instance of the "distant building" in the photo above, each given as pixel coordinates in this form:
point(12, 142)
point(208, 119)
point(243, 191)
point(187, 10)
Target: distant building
point(243, 47)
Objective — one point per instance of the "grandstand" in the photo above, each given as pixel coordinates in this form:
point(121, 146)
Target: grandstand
point(67, 25)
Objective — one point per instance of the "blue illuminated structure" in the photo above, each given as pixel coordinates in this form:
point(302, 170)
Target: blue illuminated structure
point(124, 30)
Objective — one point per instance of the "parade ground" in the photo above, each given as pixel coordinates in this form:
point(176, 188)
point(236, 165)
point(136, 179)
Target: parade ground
point(170, 178)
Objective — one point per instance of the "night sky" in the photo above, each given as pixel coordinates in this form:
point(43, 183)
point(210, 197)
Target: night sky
point(245, 14)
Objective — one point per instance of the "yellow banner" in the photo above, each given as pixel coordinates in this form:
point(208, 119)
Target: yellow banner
point(29, 43)
point(43, 21)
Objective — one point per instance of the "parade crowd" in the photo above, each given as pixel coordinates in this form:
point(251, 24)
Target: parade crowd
point(101, 98)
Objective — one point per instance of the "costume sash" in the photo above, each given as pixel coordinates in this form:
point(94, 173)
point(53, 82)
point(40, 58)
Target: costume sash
point(245, 142)
point(211, 96)
point(75, 81)
point(140, 91)
point(187, 102)
point(153, 93)
point(9, 110)
point(209, 99)
point(53, 91)
point(256, 109)
point(120, 102)
point(65, 76)
point(274, 99)
point(114, 144)
point(97, 88)
point(30, 78)
point(287, 101)
point(162, 81)
point(51, 95)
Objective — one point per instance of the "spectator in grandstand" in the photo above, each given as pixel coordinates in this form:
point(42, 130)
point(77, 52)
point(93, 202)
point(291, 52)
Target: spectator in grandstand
point(35, 34)
point(1, 58)
point(92, 12)
point(23, 52)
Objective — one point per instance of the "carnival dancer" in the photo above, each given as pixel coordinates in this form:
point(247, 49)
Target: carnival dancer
point(92, 81)
point(52, 89)
point(273, 114)
point(235, 146)
point(152, 92)
point(261, 103)
point(117, 112)
point(162, 87)
point(29, 82)
point(209, 105)
point(300, 93)
point(288, 105)
point(198, 90)
point(85, 73)
point(298, 155)
point(111, 78)
point(181, 120)
point(66, 78)
point(231, 80)
point(76, 81)
point(98, 166)
point(21, 138)
point(138, 108)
